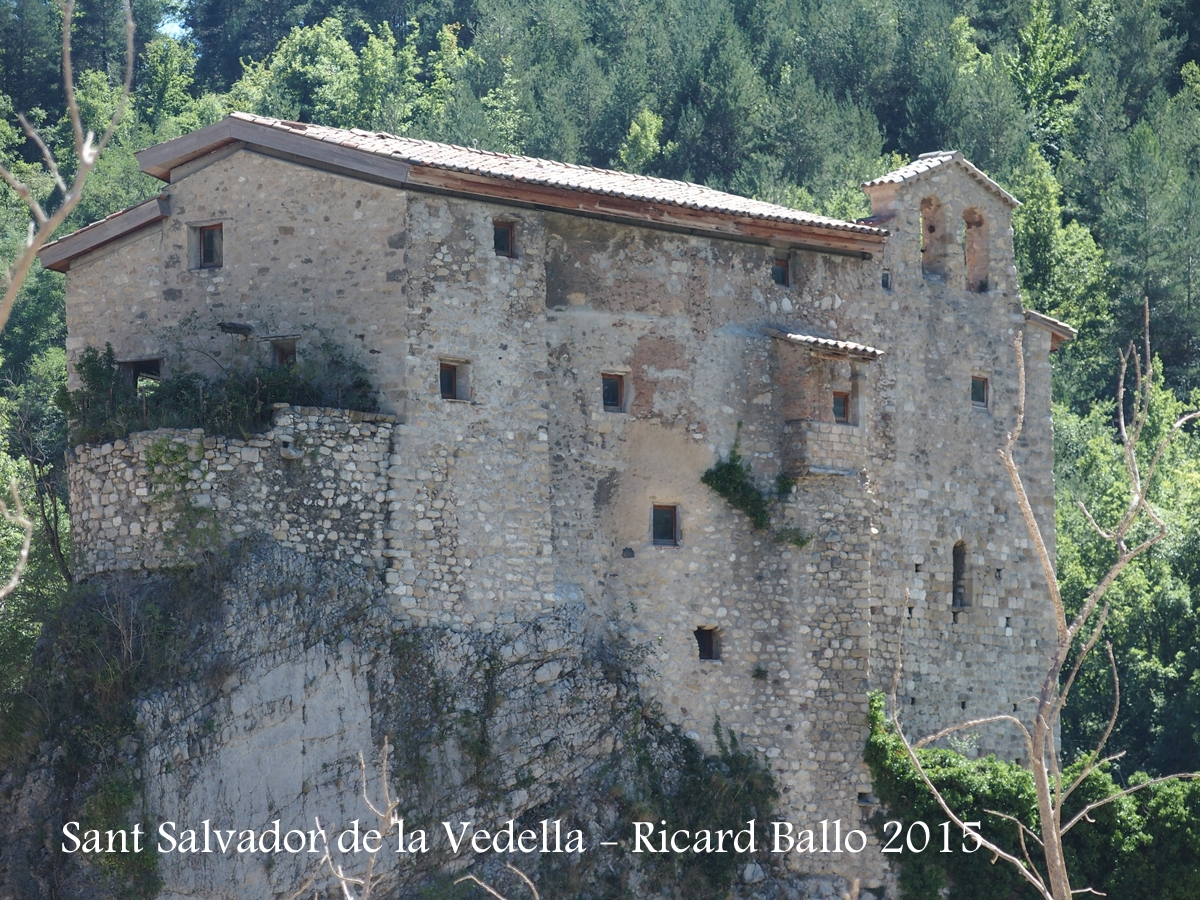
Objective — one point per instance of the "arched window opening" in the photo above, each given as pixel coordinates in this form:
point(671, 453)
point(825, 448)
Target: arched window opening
point(933, 237)
point(959, 582)
point(975, 250)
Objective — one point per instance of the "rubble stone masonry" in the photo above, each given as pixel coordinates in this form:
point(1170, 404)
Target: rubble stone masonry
point(525, 495)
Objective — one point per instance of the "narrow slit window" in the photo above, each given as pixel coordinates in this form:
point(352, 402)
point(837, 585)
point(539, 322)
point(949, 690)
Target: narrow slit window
point(706, 642)
point(979, 391)
point(504, 238)
point(664, 525)
point(613, 389)
point(211, 247)
point(959, 581)
point(886, 281)
point(453, 380)
point(841, 407)
point(781, 271)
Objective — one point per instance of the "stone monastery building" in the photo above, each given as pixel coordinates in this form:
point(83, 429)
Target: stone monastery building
point(561, 353)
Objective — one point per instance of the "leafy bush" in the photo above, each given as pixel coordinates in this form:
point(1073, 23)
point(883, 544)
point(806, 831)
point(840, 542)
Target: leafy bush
point(731, 479)
point(1144, 845)
point(111, 404)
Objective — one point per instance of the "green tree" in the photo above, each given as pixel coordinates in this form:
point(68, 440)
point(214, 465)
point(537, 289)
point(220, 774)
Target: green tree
point(643, 144)
point(164, 85)
point(1063, 273)
point(1045, 71)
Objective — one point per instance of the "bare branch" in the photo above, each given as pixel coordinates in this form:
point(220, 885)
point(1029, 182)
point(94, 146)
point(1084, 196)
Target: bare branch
point(1125, 792)
point(47, 156)
point(1014, 475)
point(975, 723)
point(1033, 877)
point(1083, 654)
point(1104, 533)
point(1021, 825)
point(87, 151)
point(493, 891)
point(68, 16)
point(19, 519)
point(22, 190)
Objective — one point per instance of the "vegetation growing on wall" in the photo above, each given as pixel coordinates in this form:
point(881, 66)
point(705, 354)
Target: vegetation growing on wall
point(731, 478)
point(111, 404)
point(1140, 846)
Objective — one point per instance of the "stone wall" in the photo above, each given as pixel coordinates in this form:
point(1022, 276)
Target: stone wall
point(525, 497)
point(316, 482)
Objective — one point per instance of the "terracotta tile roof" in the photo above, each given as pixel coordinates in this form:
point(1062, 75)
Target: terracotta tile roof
point(555, 174)
point(828, 345)
point(927, 162)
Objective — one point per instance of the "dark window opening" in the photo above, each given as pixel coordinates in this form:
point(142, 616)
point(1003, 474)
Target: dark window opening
point(139, 370)
point(886, 281)
point(665, 526)
point(211, 247)
point(979, 391)
point(449, 381)
point(841, 407)
point(781, 271)
point(613, 388)
point(283, 353)
point(706, 640)
point(503, 235)
point(959, 581)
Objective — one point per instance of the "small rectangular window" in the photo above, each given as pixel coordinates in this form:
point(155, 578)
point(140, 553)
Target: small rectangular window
point(706, 641)
point(211, 250)
point(886, 281)
point(613, 389)
point(781, 271)
point(454, 379)
point(504, 238)
point(665, 526)
point(841, 407)
point(979, 391)
point(139, 370)
point(283, 352)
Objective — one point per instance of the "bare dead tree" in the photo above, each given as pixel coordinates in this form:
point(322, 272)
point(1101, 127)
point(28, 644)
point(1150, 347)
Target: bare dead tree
point(362, 887)
point(1139, 528)
point(87, 149)
point(365, 886)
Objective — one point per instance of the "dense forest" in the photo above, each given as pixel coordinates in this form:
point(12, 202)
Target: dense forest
point(1087, 110)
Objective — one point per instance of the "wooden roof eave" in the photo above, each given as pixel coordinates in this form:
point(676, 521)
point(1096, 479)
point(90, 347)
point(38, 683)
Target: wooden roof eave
point(59, 254)
point(161, 159)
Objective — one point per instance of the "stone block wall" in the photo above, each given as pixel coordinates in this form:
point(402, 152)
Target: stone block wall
point(316, 482)
point(499, 508)
point(828, 448)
